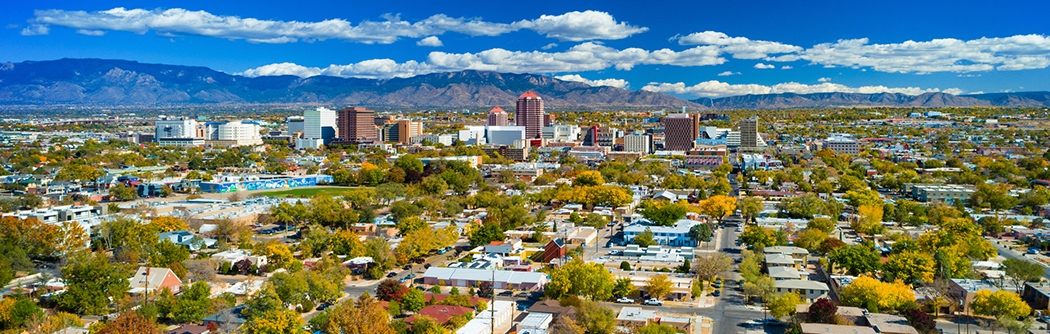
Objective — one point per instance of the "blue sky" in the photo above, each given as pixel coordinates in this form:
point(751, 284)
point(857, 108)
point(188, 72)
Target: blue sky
point(686, 48)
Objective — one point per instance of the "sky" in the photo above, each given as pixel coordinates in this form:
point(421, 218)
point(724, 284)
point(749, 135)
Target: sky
point(685, 48)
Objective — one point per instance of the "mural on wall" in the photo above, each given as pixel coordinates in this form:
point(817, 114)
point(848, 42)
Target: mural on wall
point(271, 184)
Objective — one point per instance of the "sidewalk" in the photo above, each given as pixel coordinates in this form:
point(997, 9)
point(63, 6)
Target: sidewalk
point(702, 325)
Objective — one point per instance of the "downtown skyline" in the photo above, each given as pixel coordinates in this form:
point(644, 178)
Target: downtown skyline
point(688, 50)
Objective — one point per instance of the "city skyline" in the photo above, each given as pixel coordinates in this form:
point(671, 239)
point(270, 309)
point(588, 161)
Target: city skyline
point(695, 50)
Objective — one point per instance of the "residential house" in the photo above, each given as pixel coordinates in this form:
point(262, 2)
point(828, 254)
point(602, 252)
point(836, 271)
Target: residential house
point(150, 280)
point(812, 328)
point(535, 323)
point(636, 317)
point(187, 239)
point(675, 235)
point(441, 313)
point(466, 277)
point(808, 290)
point(555, 249)
point(230, 318)
point(1037, 295)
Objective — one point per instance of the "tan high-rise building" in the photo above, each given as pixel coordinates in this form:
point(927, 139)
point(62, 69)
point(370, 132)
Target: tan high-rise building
point(498, 117)
point(749, 133)
point(529, 113)
point(357, 124)
point(407, 129)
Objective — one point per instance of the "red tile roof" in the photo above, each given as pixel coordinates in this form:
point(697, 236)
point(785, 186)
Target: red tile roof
point(529, 94)
point(496, 109)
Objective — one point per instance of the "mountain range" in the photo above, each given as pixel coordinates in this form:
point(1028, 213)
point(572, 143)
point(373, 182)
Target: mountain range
point(106, 82)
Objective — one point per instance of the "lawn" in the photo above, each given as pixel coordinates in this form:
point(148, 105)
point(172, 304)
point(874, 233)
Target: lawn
point(307, 192)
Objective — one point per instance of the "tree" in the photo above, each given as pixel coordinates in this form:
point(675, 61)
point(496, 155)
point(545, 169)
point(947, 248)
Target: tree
point(1023, 270)
point(623, 287)
point(856, 259)
point(830, 245)
point(413, 301)
point(275, 321)
point(823, 311)
point(758, 236)
point(763, 287)
point(122, 192)
point(663, 214)
point(426, 325)
point(169, 223)
point(711, 265)
point(129, 322)
point(409, 162)
point(390, 289)
point(410, 224)
point(823, 224)
point(577, 278)
point(718, 207)
point(17, 312)
point(655, 328)
point(364, 316)
point(1000, 303)
point(783, 304)
point(588, 178)
point(486, 233)
point(751, 207)
point(909, 266)
point(193, 303)
point(810, 238)
point(644, 239)
point(200, 270)
point(624, 265)
point(700, 232)
point(922, 322)
point(92, 281)
point(658, 286)
point(595, 318)
point(434, 186)
point(875, 295)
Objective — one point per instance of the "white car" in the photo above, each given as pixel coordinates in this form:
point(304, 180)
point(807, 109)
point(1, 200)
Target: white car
point(653, 302)
point(740, 229)
point(625, 300)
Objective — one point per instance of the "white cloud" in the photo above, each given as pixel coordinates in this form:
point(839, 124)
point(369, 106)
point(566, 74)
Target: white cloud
point(714, 88)
point(549, 46)
point(762, 66)
point(824, 79)
point(1019, 52)
point(430, 41)
point(586, 56)
point(786, 67)
point(571, 26)
point(739, 47)
point(35, 29)
point(728, 73)
point(91, 32)
point(618, 83)
point(580, 26)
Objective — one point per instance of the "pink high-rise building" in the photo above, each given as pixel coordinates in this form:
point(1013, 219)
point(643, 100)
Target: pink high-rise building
point(529, 114)
point(498, 117)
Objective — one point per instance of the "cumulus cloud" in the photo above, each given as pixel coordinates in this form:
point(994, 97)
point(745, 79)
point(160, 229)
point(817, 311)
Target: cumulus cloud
point(728, 73)
point(739, 47)
point(618, 83)
point(762, 66)
point(549, 46)
point(824, 79)
point(586, 56)
point(430, 41)
point(1019, 52)
point(571, 26)
point(714, 88)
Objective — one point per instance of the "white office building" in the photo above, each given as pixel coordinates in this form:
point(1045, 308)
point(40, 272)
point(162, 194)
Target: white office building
point(294, 124)
point(504, 135)
point(319, 128)
point(170, 128)
point(238, 133)
point(675, 235)
point(473, 135)
point(561, 133)
point(638, 144)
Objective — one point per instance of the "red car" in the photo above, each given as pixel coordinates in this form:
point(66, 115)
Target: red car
point(421, 260)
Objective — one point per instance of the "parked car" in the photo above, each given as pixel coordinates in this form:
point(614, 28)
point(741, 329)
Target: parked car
point(653, 302)
point(411, 276)
point(522, 294)
point(391, 274)
point(507, 293)
point(426, 266)
point(625, 300)
point(323, 306)
point(407, 267)
point(421, 260)
point(717, 293)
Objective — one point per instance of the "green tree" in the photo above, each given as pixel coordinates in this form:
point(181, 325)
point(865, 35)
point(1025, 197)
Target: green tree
point(909, 266)
point(856, 259)
point(658, 286)
point(644, 239)
point(655, 328)
point(700, 232)
point(712, 265)
point(577, 278)
point(750, 207)
point(823, 224)
point(193, 304)
point(783, 304)
point(1023, 270)
point(409, 162)
point(413, 301)
point(122, 192)
point(92, 281)
point(595, 318)
point(665, 215)
point(486, 233)
point(623, 287)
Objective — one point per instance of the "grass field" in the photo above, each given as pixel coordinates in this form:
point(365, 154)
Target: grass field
point(307, 192)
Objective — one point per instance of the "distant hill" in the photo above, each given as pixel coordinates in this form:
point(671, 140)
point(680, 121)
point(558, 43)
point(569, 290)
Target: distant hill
point(823, 100)
point(122, 82)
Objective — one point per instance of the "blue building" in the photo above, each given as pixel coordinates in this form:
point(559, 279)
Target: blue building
point(675, 235)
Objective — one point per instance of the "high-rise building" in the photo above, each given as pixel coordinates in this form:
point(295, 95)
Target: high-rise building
point(175, 128)
point(407, 129)
point(357, 125)
point(504, 135)
point(529, 114)
point(548, 119)
point(319, 128)
point(295, 124)
point(749, 133)
point(237, 133)
point(498, 117)
point(638, 144)
point(680, 130)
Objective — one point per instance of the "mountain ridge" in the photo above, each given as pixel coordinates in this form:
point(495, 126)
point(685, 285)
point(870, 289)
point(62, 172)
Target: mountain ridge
point(105, 82)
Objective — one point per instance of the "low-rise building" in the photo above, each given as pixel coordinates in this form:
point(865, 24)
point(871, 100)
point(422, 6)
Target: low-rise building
point(813, 328)
point(504, 279)
point(675, 235)
point(808, 290)
point(151, 280)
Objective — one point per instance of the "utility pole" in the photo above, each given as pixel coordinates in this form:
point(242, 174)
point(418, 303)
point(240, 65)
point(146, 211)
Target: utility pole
point(492, 298)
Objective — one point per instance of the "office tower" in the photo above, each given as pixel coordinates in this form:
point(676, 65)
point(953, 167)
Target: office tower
point(504, 135)
point(498, 117)
point(175, 128)
point(529, 113)
point(407, 129)
point(749, 133)
point(357, 124)
point(680, 130)
point(638, 144)
point(294, 124)
point(548, 119)
point(237, 133)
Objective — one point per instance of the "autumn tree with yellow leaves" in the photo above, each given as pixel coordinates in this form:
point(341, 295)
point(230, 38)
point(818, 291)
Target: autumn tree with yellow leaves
point(869, 293)
point(718, 207)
